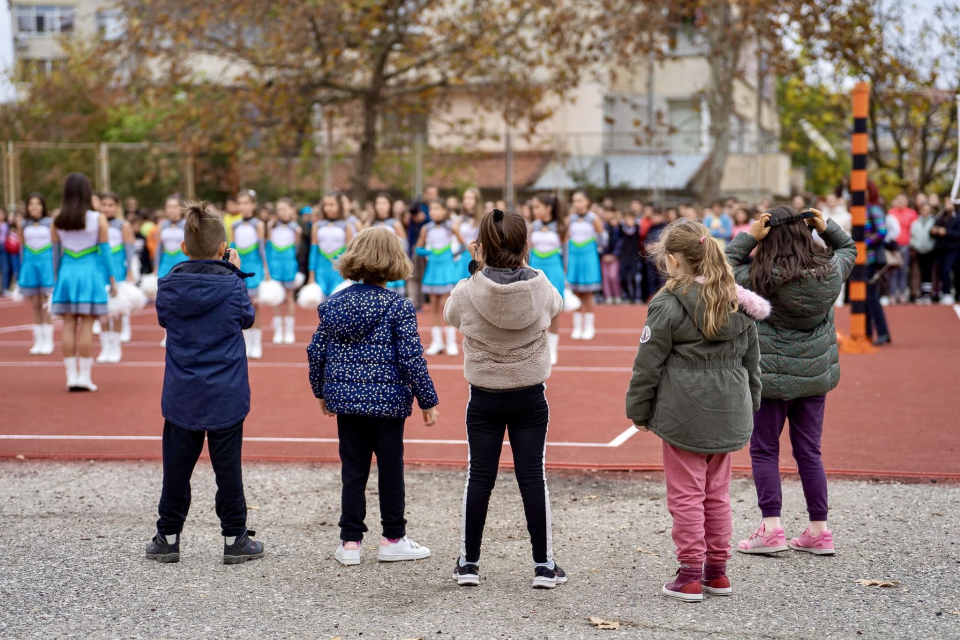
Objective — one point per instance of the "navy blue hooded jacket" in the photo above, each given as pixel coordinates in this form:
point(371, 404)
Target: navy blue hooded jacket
point(366, 358)
point(204, 305)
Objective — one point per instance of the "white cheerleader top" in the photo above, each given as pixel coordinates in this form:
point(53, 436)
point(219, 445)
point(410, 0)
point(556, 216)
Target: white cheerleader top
point(82, 239)
point(245, 235)
point(331, 235)
point(115, 232)
point(581, 229)
point(439, 236)
point(284, 234)
point(389, 223)
point(171, 235)
point(469, 231)
point(36, 234)
point(545, 239)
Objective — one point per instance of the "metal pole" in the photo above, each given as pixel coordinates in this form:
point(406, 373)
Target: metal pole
point(759, 140)
point(859, 340)
point(509, 193)
point(417, 164)
point(103, 156)
point(190, 186)
point(11, 175)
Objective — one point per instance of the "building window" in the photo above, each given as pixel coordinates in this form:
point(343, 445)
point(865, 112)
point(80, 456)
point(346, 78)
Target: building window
point(44, 20)
point(685, 125)
point(34, 67)
point(110, 24)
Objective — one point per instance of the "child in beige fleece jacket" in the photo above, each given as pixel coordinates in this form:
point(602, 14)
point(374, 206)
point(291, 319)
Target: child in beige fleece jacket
point(504, 310)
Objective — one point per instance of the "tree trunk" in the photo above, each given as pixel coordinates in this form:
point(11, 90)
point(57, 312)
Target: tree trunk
point(724, 55)
point(368, 148)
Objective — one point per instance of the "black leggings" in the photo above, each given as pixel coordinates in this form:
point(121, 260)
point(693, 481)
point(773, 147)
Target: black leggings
point(525, 415)
point(630, 268)
point(925, 263)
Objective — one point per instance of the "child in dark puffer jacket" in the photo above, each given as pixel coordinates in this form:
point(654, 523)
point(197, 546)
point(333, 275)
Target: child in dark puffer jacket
point(366, 366)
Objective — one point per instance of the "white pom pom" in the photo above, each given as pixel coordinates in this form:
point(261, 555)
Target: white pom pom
point(343, 285)
point(48, 304)
point(132, 296)
point(571, 302)
point(117, 306)
point(271, 293)
point(15, 294)
point(148, 284)
point(298, 280)
point(310, 296)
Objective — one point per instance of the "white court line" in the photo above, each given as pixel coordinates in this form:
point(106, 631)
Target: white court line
point(303, 345)
point(304, 365)
point(616, 442)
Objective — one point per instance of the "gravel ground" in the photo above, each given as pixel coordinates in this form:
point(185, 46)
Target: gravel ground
point(73, 535)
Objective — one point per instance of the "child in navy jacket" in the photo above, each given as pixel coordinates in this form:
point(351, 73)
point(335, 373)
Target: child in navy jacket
point(366, 366)
point(203, 304)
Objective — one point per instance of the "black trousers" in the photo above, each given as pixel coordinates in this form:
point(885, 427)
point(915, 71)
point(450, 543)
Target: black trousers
point(949, 265)
point(360, 438)
point(925, 262)
point(181, 450)
point(630, 269)
point(525, 415)
point(653, 278)
point(876, 319)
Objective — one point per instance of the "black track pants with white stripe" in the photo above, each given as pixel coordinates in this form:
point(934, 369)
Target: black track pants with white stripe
point(525, 415)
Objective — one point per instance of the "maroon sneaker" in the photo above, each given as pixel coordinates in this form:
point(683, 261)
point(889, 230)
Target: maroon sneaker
point(715, 580)
point(687, 585)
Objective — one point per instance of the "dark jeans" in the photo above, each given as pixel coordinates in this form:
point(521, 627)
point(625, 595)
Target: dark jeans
point(630, 273)
point(949, 264)
point(653, 278)
point(525, 415)
point(360, 438)
point(181, 450)
point(806, 428)
point(925, 263)
point(875, 316)
point(6, 273)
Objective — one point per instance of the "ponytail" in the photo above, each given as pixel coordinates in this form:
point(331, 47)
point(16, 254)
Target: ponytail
point(503, 240)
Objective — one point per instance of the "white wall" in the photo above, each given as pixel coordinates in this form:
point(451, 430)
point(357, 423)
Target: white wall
point(8, 92)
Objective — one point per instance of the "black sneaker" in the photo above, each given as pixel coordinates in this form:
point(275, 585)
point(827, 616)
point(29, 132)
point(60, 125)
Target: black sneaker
point(545, 578)
point(242, 549)
point(467, 575)
point(162, 551)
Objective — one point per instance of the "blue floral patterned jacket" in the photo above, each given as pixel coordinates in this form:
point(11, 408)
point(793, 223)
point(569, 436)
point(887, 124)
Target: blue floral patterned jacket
point(366, 358)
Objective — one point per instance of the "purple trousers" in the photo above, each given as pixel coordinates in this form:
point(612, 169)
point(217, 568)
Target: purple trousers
point(806, 426)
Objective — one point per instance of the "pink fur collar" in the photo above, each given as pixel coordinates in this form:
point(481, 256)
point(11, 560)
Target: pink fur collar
point(754, 305)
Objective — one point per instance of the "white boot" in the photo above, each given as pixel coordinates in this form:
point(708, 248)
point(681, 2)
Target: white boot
point(452, 349)
point(37, 340)
point(247, 339)
point(125, 332)
point(97, 329)
point(256, 344)
point(577, 326)
point(554, 340)
point(47, 339)
point(588, 330)
point(288, 333)
point(84, 381)
point(106, 347)
point(116, 351)
point(71, 366)
point(436, 342)
point(277, 330)
point(163, 343)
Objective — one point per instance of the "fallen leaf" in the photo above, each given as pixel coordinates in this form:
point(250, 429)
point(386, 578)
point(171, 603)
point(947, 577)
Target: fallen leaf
point(590, 497)
point(876, 583)
point(600, 623)
point(642, 550)
point(253, 506)
point(20, 456)
point(956, 613)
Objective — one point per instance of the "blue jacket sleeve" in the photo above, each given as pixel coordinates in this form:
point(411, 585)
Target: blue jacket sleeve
point(410, 360)
point(247, 313)
point(317, 356)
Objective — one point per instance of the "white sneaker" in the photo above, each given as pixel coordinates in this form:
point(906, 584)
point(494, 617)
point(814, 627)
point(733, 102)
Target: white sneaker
point(588, 329)
point(277, 330)
point(106, 347)
point(436, 342)
point(404, 549)
point(553, 339)
point(125, 333)
point(47, 340)
point(288, 333)
point(84, 380)
point(37, 340)
point(70, 364)
point(97, 329)
point(256, 344)
point(452, 349)
point(116, 351)
point(347, 556)
point(884, 301)
point(947, 300)
point(577, 326)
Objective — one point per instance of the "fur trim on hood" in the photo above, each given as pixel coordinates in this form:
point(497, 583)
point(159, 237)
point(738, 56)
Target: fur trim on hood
point(752, 304)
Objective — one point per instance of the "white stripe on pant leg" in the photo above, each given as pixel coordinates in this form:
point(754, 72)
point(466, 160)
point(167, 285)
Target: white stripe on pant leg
point(546, 491)
point(466, 486)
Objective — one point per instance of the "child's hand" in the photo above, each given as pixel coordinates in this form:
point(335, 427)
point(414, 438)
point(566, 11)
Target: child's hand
point(641, 427)
point(326, 412)
point(759, 229)
point(234, 259)
point(818, 222)
point(429, 417)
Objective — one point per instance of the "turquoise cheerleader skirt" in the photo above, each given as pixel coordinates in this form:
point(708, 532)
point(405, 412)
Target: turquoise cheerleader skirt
point(283, 264)
point(441, 275)
point(36, 272)
point(583, 267)
point(118, 263)
point(463, 265)
point(552, 265)
point(251, 262)
point(169, 260)
point(327, 277)
point(81, 287)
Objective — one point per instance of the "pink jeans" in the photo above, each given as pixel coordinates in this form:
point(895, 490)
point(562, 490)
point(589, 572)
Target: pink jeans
point(611, 278)
point(698, 496)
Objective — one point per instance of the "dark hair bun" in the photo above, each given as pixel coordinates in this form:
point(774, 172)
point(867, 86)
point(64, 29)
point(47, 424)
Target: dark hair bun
point(498, 215)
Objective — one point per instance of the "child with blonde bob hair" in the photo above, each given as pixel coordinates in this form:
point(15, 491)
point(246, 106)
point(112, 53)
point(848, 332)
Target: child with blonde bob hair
point(366, 367)
point(696, 384)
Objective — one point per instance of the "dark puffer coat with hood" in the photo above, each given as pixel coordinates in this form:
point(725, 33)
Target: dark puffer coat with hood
point(366, 358)
point(697, 393)
point(798, 342)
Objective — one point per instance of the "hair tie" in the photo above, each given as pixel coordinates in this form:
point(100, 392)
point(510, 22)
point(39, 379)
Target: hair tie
point(702, 238)
point(497, 215)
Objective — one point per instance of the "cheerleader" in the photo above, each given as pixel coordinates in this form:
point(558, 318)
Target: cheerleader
point(547, 237)
point(469, 229)
point(383, 217)
point(80, 292)
point(330, 236)
point(440, 275)
point(169, 251)
point(120, 237)
point(36, 271)
point(585, 233)
point(284, 234)
point(249, 239)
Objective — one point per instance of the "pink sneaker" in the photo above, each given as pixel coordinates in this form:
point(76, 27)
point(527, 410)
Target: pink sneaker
point(821, 545)
point(762, 542)
point(686, 586)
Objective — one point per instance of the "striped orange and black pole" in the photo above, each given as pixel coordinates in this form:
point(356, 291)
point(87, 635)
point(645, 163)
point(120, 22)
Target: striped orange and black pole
point(859, 341)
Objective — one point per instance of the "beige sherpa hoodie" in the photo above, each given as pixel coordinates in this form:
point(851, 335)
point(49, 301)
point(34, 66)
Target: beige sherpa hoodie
point(504, 315)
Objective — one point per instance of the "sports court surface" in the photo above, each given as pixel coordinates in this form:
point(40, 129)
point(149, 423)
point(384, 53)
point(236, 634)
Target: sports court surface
point(895, 414)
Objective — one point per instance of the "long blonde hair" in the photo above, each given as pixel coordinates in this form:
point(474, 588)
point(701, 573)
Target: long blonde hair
point(691, 241)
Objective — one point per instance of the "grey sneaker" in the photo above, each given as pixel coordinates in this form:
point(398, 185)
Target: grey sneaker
point(242, 549)
point(162, 551)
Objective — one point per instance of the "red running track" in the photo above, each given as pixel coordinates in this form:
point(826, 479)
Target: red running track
point(894, 414)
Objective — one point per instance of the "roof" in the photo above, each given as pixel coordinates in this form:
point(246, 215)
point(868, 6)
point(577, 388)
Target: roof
point(670, 172)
